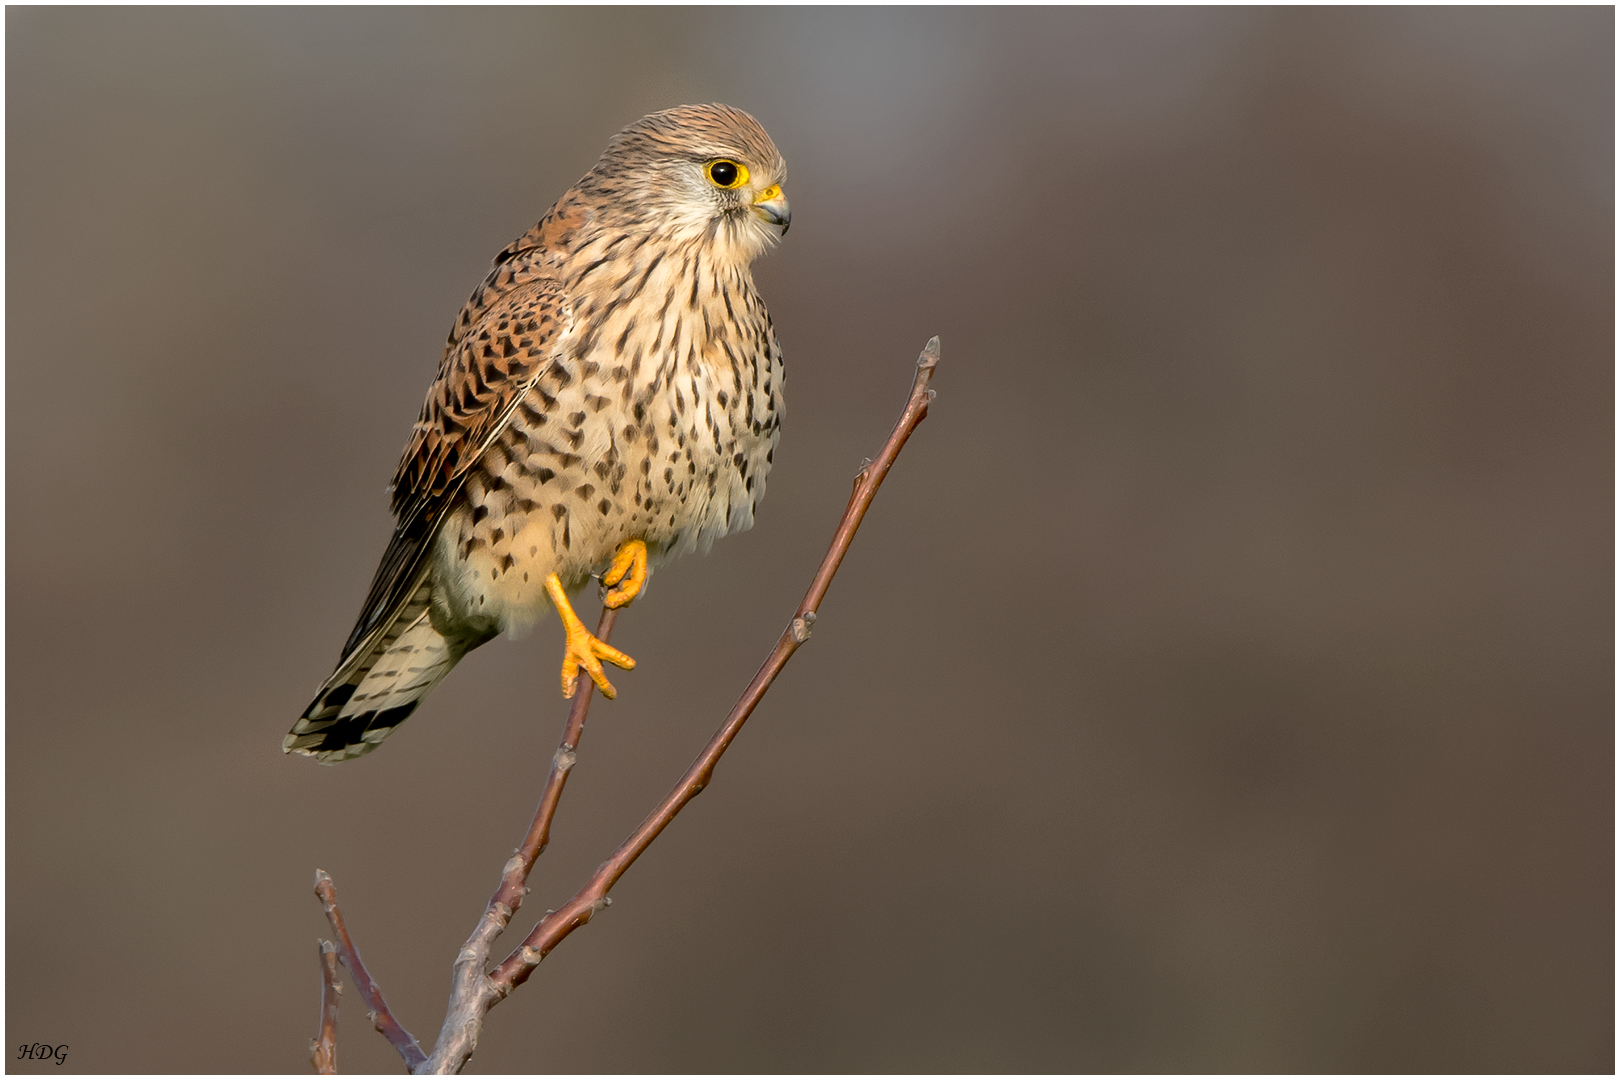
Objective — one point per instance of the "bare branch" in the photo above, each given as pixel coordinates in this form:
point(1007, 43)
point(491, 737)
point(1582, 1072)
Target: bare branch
point(384, 1020)
point(323, 1051)
point(471, 993)
point(593, 897)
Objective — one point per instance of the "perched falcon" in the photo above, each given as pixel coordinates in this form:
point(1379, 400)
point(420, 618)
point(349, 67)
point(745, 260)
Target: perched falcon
point(609, 399)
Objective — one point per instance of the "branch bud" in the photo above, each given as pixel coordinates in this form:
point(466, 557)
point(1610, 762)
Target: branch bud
point(930, 353)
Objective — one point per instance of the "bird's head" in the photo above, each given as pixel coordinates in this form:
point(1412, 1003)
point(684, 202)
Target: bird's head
point(696, 170)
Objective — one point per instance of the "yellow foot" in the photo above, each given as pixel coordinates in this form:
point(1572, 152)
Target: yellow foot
point(631, 560)
point(584, 649)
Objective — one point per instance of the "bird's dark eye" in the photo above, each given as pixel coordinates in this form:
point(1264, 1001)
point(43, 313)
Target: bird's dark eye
point(728, 174)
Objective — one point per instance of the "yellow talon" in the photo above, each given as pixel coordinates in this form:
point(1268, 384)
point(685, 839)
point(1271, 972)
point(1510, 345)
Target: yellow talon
point(584, 649)
point(631, 559)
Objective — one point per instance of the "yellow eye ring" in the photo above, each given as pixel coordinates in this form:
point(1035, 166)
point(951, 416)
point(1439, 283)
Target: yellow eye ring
point(726, 173)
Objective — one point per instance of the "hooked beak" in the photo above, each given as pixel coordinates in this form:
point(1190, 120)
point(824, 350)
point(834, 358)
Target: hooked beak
point(772, 206)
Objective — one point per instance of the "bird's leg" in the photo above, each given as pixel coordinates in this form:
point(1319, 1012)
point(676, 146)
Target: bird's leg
point(630, 560)
point(584, 649)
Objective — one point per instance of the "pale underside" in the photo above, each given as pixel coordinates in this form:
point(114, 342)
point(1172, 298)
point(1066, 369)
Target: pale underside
point(660, 440)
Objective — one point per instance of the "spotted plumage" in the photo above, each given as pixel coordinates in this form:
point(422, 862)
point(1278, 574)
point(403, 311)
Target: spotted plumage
point(615, 379)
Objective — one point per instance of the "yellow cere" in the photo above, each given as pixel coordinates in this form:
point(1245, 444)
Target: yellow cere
point(772, 192)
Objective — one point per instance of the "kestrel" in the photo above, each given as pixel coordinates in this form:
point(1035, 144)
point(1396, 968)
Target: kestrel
point(609, 399)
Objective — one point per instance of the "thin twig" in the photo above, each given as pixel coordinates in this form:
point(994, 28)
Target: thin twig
point(471, 994)
point(390, 1028)
point(323, 1051)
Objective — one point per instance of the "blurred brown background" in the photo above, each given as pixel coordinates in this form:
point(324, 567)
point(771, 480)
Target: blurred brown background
point(1223, 680)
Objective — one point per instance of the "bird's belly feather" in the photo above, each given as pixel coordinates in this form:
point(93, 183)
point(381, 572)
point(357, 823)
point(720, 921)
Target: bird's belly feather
point(592, 458)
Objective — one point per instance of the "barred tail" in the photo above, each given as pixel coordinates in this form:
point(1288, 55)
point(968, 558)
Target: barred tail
point(376, 687)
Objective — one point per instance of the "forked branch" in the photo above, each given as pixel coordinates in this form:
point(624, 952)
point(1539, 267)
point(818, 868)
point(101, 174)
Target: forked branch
point(473, 993)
